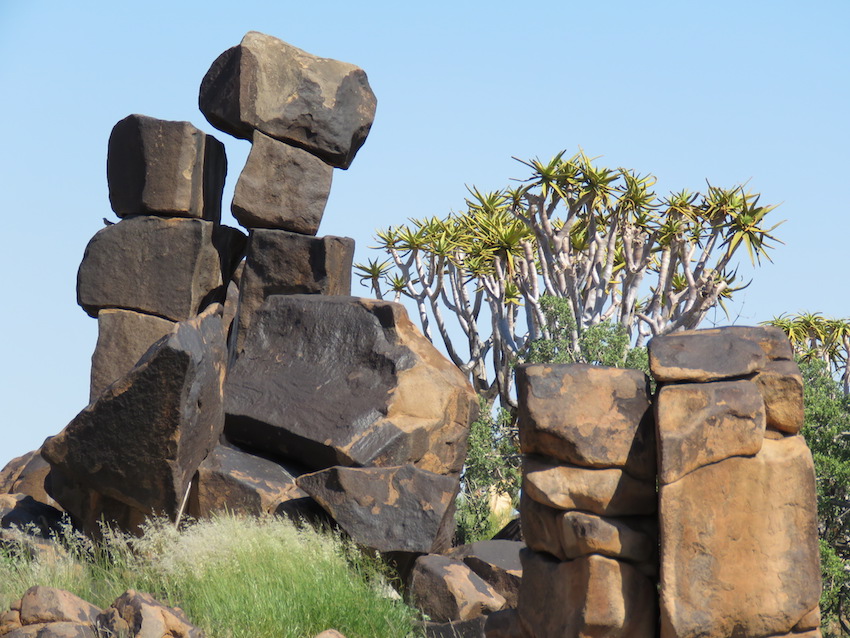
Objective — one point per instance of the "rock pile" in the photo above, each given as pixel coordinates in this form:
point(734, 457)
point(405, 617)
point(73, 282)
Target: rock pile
point(737, 508)
point(588, 504)
point(331, 404)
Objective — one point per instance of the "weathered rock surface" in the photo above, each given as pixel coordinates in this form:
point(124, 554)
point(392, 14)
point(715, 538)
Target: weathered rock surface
point(283, 263)
point(587, 415)
point(503, 624)
point(123, 336)
point(739, 549)
point(607, 492)
point(233, 480)
point(473, 628)
point(598, 597)
point(628, 539)
point(24, 512)
point(28, 474)
point(160, 266)
point(702, 423)
point(446, 590)
point(167, 168)
point(281, 187)
point(141, 442)
point(344, 381)
point(497, 563)
point(323, 106)
point(392, 509)
point(541, 526)
point(708, 355)
point(781, 387)
point(47, 605)
point(146, 616)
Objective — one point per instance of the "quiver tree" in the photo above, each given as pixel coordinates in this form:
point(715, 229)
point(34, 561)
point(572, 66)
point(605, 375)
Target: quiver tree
point(598, 238)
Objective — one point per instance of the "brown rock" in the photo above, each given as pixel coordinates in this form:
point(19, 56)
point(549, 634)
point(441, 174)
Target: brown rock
point(448, 590)
point(706, 355)
point(23, 511)
point(233, 480)
point(473, 628)
point(164, 168)
point(702, 423)
point(596, 596)
point(330, 633)
point(283, 263)
point(393, 509)
point(141, 442)
point(541, 527)
point(587, 415)
point(583, 534)
point(781, 387)
point(773, 341)
point(503, 624)
point(28, 474)
point(281, 187)
point(607, 492)
point(323, 106)
point(811, 620)
point(9, 621)
point(344, 381)
point(739, 545)
point(48, 605)
point(53, 630)
point(123, 336)
point(160, 266)
point(147, 617)
point(497, 563)
point(112, 624)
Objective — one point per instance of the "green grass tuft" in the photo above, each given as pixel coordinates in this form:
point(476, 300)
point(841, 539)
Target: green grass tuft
point(235, 577)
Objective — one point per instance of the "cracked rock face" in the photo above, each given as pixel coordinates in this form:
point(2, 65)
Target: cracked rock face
point(326, 381)
point(321, 105)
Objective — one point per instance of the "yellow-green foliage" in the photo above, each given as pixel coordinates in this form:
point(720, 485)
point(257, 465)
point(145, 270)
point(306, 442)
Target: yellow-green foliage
point(235, 577)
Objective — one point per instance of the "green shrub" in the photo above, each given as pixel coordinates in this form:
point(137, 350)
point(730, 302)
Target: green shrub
point(234, 577)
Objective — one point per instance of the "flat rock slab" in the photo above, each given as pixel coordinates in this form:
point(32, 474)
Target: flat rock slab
point(447, 590)
point(392, 509)
point(627, 538)
point(607, 492)
point(328, 381)
point(160, 167)
point(160, 266)
point(702, 423)
point(281, 187)
point(321, 105)
point(587, 415)
point(236, 481)
point(708, 355)
point(141, 442)
point(123, 336)
point(739, 545)
point(589, 596)
point(282, 263)
point(48, 604)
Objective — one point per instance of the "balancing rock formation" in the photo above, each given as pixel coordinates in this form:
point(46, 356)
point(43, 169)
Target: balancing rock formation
point(236, 373)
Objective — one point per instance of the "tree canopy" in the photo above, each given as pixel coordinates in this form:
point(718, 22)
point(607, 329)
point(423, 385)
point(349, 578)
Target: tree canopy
point(599, 238)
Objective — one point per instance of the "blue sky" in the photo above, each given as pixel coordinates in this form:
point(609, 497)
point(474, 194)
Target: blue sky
point(724, 91)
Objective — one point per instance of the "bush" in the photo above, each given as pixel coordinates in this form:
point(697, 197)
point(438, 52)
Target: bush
point(234, 577)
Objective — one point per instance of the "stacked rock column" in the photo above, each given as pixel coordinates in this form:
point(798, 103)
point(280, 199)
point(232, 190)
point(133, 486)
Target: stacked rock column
point(588, 502)
point(152, 281)
point(737, 505)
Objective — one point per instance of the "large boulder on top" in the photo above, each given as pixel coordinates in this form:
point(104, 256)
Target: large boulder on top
point(345, 381)
point(391, 509)
point(283, 263)
point(587, 415)
point(281, 187)
point(323, 106)
point(160, 266)
point(159, 167)
point(141, 442)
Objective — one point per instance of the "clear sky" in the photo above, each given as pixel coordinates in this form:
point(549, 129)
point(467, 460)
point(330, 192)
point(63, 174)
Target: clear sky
point(689, 91)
